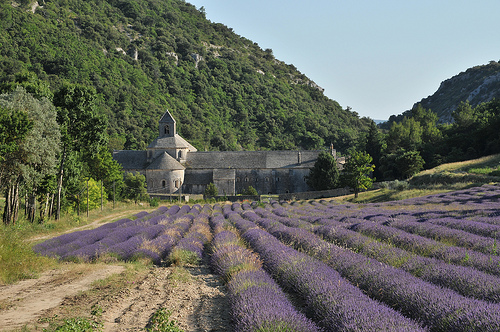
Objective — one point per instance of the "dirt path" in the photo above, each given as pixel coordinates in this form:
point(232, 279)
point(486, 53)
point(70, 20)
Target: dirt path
point(195, 297)
point(27, 300)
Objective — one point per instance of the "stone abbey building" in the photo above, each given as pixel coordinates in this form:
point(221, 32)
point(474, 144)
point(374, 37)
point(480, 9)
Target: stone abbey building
point(172, 165)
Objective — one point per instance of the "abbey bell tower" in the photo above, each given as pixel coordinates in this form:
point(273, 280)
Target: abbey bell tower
point(167, 126)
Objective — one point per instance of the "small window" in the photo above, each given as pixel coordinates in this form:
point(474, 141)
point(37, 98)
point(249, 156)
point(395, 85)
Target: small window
point(267, 179)
point(166, 129)
point(163, 183)
point(180, 155)
point(246, 179)
point(238, 179)
point(177, 183)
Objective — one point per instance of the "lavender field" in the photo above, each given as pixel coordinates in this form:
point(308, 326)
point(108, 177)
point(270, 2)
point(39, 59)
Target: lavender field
point(424, 264)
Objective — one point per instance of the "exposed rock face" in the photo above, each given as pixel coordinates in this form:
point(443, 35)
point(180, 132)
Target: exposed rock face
point(197, 58)
point(175, 56)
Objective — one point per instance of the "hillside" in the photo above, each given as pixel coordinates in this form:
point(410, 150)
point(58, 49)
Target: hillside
point(477, 85)
point(144, 56)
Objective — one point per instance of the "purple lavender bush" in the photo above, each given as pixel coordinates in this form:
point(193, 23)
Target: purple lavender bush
point(335, 304)
point(437, 308)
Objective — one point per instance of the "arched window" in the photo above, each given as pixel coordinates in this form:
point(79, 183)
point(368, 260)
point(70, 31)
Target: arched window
point(246, 179)
point(177, 183)
point(179, 155)
point(166, 130)
point(267, 179)
point(163, 183)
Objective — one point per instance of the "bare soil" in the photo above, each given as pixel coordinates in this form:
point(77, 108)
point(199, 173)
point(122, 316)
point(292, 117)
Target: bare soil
point(197, 303)
point(27, 301)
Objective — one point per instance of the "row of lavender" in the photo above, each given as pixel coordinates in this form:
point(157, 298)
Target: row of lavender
point(257, 302)
point(149, 235)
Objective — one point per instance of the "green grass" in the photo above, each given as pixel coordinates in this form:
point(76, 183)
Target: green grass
point(181, 256)
point(17, 259)
point(161, 322)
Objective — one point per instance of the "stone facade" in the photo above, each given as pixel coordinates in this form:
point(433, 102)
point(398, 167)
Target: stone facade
point(172, 165)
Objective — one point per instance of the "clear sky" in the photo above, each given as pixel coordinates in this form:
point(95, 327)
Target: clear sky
point(378, 57)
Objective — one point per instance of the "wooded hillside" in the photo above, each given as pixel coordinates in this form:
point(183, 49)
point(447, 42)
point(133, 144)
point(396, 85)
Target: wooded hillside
point(144, 56)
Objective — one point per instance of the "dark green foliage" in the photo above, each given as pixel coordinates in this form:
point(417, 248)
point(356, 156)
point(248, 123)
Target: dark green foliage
point(226, 92)
point(211, 190)
point(135, 187)
point(83, 134)
point(325, 173)
point(357, 171)
point(250, 191)
point(103, 167)
point(15, 124)
point(401, 164)
point(373, 143)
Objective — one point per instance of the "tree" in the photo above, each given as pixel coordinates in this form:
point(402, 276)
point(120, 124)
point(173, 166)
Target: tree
point(35, 157)
point(357, 169)
point(103, 167)
point(94, 188)
point(373, 145)
point(211, 190)
point(406, 135)
point(325, 174)
point(14, 126)
point(401, 164)
point(82, 127)
point(409, 163)
point(135, 186)
point(250, 191)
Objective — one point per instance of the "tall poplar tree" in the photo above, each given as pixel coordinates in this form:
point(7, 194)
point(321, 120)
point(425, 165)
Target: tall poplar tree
point(82, 126)
point(325, 174)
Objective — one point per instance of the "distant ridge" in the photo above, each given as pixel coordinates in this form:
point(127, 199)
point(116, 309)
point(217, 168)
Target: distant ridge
point(477, 85)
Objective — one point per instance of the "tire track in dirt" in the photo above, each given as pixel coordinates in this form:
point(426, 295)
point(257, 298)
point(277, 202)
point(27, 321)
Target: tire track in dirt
point(198, 304)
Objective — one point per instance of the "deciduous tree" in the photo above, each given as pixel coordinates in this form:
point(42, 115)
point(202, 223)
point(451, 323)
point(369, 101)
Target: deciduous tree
point(136, 188)
point(357, 170)
point(82, 126)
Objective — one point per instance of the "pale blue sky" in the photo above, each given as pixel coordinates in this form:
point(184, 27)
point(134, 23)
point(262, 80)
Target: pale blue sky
point(378, 57)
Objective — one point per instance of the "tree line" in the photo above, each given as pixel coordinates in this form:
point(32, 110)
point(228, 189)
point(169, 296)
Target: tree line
point(417, 141)
point(53, 147)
